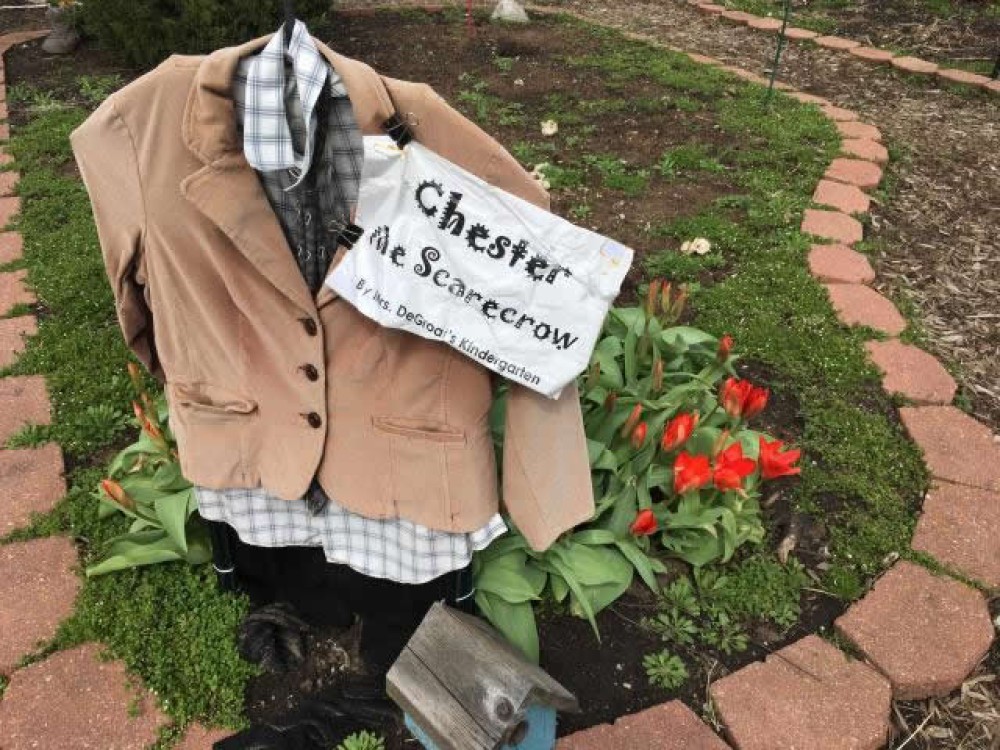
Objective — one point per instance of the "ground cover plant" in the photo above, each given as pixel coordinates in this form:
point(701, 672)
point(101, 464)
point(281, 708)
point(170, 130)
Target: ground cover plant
point(647, 147)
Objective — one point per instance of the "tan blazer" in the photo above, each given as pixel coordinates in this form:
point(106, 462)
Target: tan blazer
point(210, 299)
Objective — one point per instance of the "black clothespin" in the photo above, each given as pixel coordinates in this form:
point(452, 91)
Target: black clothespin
point(289, 21)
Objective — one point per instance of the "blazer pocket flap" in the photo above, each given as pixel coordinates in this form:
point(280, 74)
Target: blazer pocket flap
point(420, 429)
point(202, 398)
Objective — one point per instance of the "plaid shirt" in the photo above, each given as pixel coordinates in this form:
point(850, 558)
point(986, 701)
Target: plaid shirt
point(312, 194)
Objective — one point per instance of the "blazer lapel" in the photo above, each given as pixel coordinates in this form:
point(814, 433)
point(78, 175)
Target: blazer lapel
point(227, 190)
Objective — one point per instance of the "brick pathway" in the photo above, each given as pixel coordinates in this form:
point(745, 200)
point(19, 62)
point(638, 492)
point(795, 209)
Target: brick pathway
point(806, 695)
point(70, 699)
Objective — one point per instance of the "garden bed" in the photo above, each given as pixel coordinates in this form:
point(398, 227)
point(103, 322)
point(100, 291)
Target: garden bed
point(651, 149)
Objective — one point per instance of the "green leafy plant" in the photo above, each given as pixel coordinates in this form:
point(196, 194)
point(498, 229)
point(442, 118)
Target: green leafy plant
point(95, 89)
point(145, 483)
point(675, 468)
point(144, 32)
point(362, 741)
point(665, 670)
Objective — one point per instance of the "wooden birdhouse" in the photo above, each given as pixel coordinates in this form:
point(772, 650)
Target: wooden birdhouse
point(463, 687)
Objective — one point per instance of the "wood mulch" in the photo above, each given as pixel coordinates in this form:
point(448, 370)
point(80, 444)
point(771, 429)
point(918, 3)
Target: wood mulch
point(937, 238)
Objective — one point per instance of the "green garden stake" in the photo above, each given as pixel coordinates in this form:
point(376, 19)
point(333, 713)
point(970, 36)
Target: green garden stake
point(777, 55)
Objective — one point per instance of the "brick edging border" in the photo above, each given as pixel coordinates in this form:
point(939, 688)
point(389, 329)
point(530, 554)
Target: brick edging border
point(846, 274)
point(872, 55)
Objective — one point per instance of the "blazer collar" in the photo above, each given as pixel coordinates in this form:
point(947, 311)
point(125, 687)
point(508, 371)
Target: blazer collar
point(226, 189)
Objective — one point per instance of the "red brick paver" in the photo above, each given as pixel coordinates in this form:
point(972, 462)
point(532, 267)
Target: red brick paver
point(23, 400)
point(72, 699)
point(839, 264)
point(765, 24)
point(960, 527)
point(13, 290)
point(198, 737)
point(711, 9)
point(8, 181)
point(9, 208)
point(5, 158)
point(737, 15)
point(961, 76)
point(865, 149)
point(31, 480)
point(11, 247)
point(912, 372)
point(12, 333)
point(794, 32)
point(849, 199)
point(839, 114)
point(836, 42)
point(807, 695)
point(670, 726)
point(858, 305)
point(809, 98)
point(956, 447)
point(915, 65)
point(855, 129)
point(871, 54)
point(832, 225)
point(857, 172)
point(924, 632)
point(37, 590)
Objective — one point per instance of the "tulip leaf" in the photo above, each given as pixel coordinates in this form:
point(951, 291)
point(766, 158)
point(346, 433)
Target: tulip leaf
point(642, 564)
point(135, 549)
point(578, 594)
point(172, 513)
point(511, 586)
point(515, 621)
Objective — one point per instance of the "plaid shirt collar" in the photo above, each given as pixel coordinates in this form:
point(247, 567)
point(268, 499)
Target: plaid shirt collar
point(267, 137)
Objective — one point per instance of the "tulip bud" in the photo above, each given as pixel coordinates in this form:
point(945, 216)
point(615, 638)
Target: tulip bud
point(658, 375)
point(665, 299)
point(639, 435)
point(654, 291)
point(610, 401)
point(633, 419)
point(644, 524)
point(725, 347)
point(135, 376)
point(678, 304)
point(117, 493)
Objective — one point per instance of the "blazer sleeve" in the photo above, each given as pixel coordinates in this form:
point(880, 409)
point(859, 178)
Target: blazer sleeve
point(546, 483)
point(106, 156)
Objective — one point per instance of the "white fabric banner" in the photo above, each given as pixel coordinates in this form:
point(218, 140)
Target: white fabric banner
point(449, 257)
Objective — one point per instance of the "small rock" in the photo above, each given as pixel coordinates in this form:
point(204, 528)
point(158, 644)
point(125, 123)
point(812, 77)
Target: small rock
point(510, 11)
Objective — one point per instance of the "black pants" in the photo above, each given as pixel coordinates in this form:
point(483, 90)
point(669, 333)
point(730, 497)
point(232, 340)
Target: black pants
point(329, 594)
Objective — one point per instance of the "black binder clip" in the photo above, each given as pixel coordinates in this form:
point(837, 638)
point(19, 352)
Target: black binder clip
point(398, 130)
point(346, 233)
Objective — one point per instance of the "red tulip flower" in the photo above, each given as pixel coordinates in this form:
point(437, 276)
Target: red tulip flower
point(644, 523)
point(725, 347)
point(731, 467)
point(755, 402)
point(638, 437)
point(678, 430)
point(691, 472)
point(774, 463)
point(741, 398)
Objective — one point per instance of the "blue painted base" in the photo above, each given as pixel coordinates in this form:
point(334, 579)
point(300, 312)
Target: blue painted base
point(541, 731)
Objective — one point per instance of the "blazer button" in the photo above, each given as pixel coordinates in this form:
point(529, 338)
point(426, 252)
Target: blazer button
point(314, 419)
point(310, 325)
point(311, 372)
